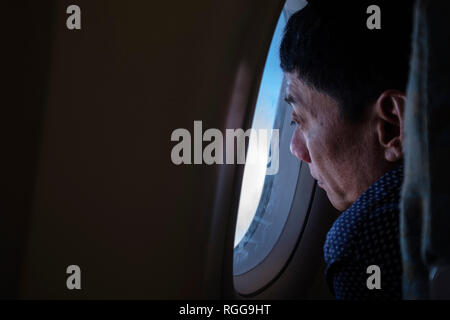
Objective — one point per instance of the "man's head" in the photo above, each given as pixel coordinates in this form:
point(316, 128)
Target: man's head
point(346, 85)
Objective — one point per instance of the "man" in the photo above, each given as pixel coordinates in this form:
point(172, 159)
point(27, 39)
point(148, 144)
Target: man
point(346, 85)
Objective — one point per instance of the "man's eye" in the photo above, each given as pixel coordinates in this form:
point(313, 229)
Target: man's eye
point(294, 122)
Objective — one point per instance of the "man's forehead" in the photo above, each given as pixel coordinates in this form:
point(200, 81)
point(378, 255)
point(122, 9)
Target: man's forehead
point(296, 89)
point(304, 98)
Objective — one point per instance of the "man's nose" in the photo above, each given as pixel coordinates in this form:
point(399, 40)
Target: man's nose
point(298, 146)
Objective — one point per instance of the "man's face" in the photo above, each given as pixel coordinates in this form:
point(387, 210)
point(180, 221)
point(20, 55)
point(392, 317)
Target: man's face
point(337, 151)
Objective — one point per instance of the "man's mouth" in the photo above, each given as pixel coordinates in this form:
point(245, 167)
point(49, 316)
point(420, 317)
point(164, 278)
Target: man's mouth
point(319, 182)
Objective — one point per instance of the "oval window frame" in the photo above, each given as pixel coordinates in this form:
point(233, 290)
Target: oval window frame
point(254, 280)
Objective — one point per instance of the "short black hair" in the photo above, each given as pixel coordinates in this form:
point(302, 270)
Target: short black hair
point(330, 47)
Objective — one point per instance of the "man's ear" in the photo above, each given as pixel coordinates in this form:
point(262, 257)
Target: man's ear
point(389, 110)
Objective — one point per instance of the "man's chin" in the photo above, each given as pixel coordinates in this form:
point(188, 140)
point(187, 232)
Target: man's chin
point(338, 204)
point(336, 201)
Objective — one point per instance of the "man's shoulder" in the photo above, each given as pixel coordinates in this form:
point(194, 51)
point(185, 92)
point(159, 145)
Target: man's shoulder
point(364, 235)
point(370, 223)
point(341, 239)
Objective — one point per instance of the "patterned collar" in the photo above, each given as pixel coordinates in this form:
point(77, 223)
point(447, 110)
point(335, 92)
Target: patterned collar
point(384, 192)
point(388, 184)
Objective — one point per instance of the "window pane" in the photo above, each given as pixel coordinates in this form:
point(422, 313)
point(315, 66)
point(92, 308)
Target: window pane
point(264, 116)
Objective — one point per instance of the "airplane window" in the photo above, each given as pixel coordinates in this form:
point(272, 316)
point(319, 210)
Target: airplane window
point(266, 194)
point(258, 154)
